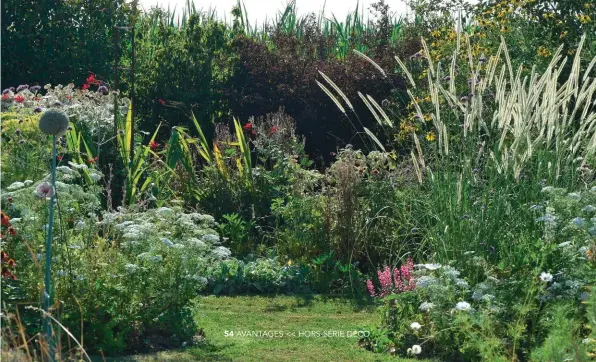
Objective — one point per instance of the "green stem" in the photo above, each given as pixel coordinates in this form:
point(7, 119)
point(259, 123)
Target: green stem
point(47, 293)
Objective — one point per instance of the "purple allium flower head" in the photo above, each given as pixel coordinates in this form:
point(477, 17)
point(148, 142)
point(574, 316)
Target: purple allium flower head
point(6, 91)
point(11, 89)
point(102, 89)
point(18, 131)
point(37, 110)
point(22, 87)
point(35, 88)
point(44, 190)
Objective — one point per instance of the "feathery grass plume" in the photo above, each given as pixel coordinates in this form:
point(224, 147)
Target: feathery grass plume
point(374, 138)
point(380, 110)
point(405, 70)
point(365, 57)
point(416, 167)
point(328, 92)
point(337, 89)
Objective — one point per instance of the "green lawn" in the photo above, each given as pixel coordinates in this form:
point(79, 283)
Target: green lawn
point(285, 315)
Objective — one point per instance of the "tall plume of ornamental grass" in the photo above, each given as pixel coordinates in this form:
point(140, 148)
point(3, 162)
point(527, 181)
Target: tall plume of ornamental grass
point(536, 117)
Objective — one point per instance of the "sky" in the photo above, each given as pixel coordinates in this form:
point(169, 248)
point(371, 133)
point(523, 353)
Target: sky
point(259, 10)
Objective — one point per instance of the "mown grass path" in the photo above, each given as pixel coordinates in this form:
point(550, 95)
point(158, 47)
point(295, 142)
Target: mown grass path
point(286, 315)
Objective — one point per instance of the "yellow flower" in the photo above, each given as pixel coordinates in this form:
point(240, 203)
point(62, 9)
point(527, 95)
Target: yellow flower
point(584, 19)
point(543, 52)
point(563, 34)
point(290, 262)
point(436, 33)
point(430, 136)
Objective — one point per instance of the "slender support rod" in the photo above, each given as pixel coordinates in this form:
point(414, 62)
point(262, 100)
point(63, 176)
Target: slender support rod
point(50, 229)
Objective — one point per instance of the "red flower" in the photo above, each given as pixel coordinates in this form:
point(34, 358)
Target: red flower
point(254, 133)
point(19, 98)
point(5, 219)
point(5, 96)
point(12, 230)
point(163, 103)
point(68, 97)
point(154, 145)
point(248, 126)
point(274, 129)
point(85, 86)
point(92, 160)
point(59, 157)
point(91, 79)
point(4, 256)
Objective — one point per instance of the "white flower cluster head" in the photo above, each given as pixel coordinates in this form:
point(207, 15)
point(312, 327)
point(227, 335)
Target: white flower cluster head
point(463, 306)
point(415, 326)
point(415, 350)
point(546, 277)
point(426, 306)
point(95, 109)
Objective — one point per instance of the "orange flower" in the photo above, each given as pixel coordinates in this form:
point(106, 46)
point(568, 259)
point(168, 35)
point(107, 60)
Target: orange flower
point(5, 219)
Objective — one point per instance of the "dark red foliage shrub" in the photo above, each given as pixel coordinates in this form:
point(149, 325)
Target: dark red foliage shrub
point(284, 74)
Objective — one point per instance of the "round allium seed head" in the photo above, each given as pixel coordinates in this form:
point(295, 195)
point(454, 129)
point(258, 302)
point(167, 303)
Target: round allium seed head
point(54, 122)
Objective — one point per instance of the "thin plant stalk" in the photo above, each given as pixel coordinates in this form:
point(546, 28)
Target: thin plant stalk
point(47, 293)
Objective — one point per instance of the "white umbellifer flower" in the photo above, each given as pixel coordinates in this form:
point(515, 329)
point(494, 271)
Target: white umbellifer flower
point(222, 252)
point(426, 306)
point(54, 122)
point(546, 277)
point(464, 306)
point(77, 165)
point(429, 266)
point(80, 225)
point(95, 176)
point(28, 182)
point(415, 326)
point(167, 242)
point(416, 349)
point(589, 208)
point(15, 186)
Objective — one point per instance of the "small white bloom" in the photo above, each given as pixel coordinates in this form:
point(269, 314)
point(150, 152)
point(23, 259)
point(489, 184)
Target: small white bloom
point(416, 349)
point(426, 306)
point(464, 306)
point(77, 166)
point(415, 326)
point(428, 266)
point(95, 176)
point(546, 277)
point(80, 225)
point(28, 182)
point(564, 244)
point(167, 242)
point(574, 196)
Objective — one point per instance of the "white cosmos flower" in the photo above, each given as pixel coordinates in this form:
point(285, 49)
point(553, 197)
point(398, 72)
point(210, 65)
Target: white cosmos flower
point(546, 277)
point(415, 326)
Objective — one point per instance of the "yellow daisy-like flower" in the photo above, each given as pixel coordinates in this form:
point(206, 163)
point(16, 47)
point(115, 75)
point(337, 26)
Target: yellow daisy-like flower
point(430, 136)
point(584, 19)
point(436, 33)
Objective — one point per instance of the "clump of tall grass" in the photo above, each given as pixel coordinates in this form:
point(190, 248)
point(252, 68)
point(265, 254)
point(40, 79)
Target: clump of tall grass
point(498, 141)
